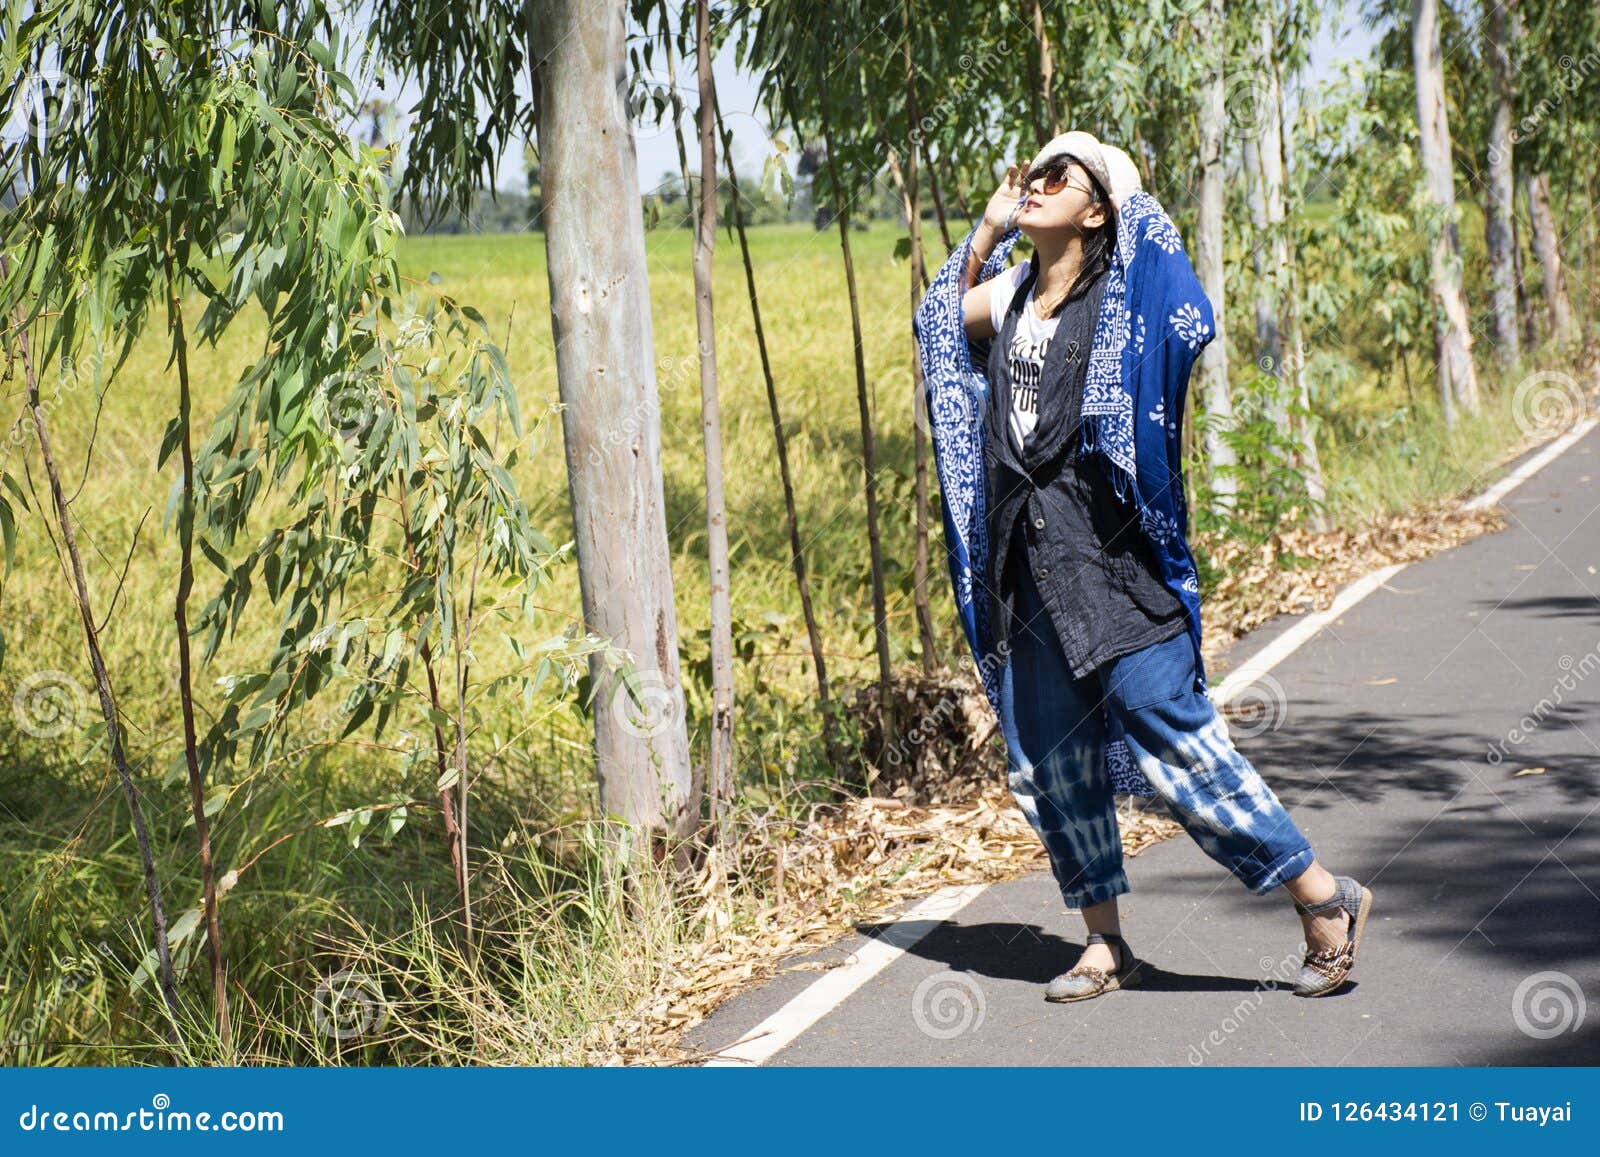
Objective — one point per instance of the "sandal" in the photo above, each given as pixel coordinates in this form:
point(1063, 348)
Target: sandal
point(1085, 980)
point(1325, 969)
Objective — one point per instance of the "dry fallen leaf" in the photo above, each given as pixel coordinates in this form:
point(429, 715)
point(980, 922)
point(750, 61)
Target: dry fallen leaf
point(1381, 682)
point(854, 861)
point(1528, 771)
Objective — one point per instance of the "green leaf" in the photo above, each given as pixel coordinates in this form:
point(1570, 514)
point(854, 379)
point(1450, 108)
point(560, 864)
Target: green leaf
point(170, 441)
point(224, 164)
point(185, 927)
point(218, 799)
point(8, 530)
point(357, 718)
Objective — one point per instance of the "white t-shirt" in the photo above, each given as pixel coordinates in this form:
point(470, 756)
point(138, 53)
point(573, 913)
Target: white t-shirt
point(1028, 346)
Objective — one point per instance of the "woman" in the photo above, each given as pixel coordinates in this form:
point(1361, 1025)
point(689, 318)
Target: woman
point(1064, 510)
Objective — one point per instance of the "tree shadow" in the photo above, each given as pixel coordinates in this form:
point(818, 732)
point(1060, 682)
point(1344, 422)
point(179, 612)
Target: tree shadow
point(1504, 881)
point(1565, 607)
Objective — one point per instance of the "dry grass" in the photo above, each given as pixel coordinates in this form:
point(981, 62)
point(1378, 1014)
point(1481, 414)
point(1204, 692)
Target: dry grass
point(851, 865)
point(564, 973)
point(946, 817)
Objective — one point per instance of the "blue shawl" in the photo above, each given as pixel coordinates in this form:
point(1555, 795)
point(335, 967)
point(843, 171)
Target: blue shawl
point(1154, 321)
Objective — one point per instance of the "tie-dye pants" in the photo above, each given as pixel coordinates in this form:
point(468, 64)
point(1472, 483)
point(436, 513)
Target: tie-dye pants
point(1055, 749)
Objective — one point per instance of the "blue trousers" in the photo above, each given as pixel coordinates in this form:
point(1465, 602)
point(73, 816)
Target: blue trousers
point(1055, 738)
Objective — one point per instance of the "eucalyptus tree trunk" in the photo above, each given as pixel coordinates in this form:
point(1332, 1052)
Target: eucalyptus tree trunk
point(919, 432)
point(1294, 359)
point(720, 761)
point(1592, 189)
point(1527, 322)
point(1044, 76)
point(166, 978)
point(938, 197)
point(1269, 250)
point(180, 618)
point(869, 441)
point(1547, 248)
point(1499, 203)
point(905, 182)
point(1458, 381)
point(722, 786)
point(1213, 366)
point(962, 204)
point(797, 554)
point(605, 370)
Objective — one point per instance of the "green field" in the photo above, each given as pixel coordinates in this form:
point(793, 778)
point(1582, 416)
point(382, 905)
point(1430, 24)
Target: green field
point(73, 892)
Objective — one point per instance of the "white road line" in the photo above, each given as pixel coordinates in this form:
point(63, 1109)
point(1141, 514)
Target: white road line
point(1532, 466)
point(1275, 652)
point(826, 993)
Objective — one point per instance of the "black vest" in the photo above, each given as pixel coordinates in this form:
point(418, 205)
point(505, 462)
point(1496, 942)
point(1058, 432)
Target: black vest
point(1066, 365)
point(1054, 514)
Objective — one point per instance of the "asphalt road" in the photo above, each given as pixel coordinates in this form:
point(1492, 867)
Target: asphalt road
point(1402, 727)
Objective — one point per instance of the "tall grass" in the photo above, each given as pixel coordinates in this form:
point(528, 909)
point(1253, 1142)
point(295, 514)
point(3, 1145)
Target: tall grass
point(565, 961)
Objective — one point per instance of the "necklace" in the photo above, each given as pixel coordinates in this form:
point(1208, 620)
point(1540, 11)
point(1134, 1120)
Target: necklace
point(1038, 306)
point(1045, 314)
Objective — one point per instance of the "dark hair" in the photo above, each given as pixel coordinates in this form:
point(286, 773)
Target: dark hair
point(1098, 244)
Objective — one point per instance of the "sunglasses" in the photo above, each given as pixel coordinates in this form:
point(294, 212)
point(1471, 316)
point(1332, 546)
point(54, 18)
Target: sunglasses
point(1056, 175)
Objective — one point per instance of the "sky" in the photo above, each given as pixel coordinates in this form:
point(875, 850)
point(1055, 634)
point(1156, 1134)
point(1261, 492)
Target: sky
point(736, 91)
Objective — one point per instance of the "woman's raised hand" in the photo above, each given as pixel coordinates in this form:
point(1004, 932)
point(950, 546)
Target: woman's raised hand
point(1003, 205)
point(985, 237)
